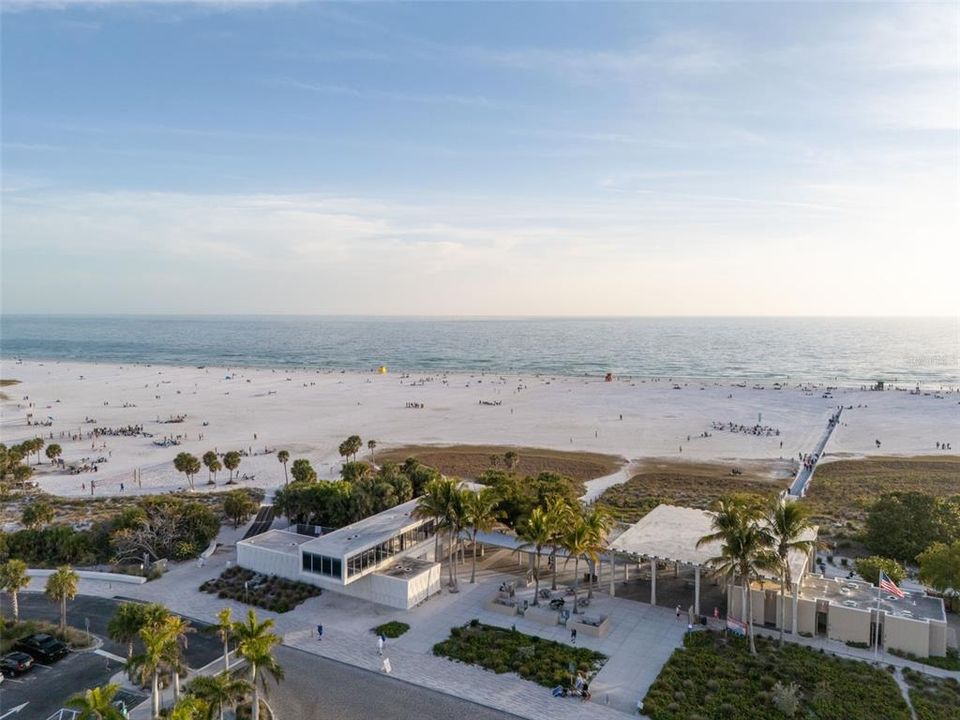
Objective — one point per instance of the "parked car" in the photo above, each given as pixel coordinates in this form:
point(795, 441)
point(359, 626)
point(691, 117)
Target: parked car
point(15, 663)
point(42, 647)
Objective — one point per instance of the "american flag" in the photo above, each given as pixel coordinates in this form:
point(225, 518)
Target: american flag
point(889, 585)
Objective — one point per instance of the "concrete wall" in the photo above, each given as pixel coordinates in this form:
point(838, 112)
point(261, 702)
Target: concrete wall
point(938, 638)
point(848, 624)
point(269, 562)
point(907, 635)
point(807, 616)
point(402, 593)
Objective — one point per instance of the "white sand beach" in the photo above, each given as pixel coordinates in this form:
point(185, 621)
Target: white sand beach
point(309, 412)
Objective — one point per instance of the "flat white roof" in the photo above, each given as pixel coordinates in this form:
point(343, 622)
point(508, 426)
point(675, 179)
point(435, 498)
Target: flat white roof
point(669, 532)
point(279, 541)
point(365, 533)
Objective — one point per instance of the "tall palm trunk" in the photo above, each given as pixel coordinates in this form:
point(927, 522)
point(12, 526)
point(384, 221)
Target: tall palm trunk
point(753, 647)
point(576, 581)
point(155, 693)
point(451, 559)
point(536, 580)
point(783, 611)
point(592, 567)
point(473, 572)
point(226, 654)
point(553, 554)
point(15, 603)
point(176, 686)
point(63, 612)
point(255, 708)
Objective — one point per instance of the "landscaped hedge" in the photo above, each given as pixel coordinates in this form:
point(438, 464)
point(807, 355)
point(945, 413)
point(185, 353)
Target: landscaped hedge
point(267, 591)
point(533, 658)
point(715, 677)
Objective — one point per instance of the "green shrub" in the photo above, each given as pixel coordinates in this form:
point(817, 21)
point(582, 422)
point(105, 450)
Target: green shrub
point(730, 683)
point(392, 629)
point(542, 661)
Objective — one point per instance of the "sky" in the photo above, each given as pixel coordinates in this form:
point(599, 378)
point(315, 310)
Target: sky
point(481, 159)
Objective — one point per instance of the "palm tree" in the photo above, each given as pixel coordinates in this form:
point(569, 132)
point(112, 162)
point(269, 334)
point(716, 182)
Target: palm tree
point(283, 457)
point(578, 543)
point(559, 515)
point(536, 532)
point(177, 629)
point(126, 623)
point(744, 551)
point(510, 459)
point(53, 451)
point(208, 459)
point(191, 707)
point(598, 523)
point(219, 691)
point(255, 643)
point(224, 629)
point(215, 467)
point(156, 651)
point(62, 586)
point(371, 446)
point(789, 528)
point(480, 515)
point(187, 464)
point(96, 704)
point(13, 578)
point(435, 504)
point(231, 461)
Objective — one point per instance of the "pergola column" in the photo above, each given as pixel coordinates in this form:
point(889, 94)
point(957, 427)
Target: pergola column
point(613, 568)
point(653, 581)
point(796, 600)
point(696, 590)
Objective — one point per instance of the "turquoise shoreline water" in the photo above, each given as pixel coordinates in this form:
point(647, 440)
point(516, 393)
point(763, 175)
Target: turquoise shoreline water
point(839, 350)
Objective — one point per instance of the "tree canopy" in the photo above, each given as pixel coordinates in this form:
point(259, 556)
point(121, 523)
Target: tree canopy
point(903, 525)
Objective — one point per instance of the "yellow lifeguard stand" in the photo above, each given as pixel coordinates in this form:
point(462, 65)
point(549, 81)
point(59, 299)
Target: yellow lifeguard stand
point(382, 369)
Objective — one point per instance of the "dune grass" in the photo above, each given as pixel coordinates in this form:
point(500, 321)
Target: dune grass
point(469, 461)
point(688, 484)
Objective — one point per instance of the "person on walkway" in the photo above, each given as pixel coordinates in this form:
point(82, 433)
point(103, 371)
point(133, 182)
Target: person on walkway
point(380, 641)
point(678, 613)
point(573, 635)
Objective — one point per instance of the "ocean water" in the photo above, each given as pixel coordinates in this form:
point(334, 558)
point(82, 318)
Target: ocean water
point(837, 350)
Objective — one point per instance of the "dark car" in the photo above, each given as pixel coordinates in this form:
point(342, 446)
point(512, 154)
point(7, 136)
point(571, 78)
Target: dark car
point(15, 663)
point(42, 647)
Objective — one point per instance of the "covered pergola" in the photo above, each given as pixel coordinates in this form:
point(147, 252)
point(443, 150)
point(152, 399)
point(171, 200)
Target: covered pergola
point(669, 533)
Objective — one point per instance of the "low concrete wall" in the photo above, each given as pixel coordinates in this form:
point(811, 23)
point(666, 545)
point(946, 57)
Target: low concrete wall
point(582, 628)
point(541, 615)
point(496, 607)
point(92, 575)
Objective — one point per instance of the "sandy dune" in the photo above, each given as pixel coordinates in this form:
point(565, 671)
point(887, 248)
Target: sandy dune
point(310, 412)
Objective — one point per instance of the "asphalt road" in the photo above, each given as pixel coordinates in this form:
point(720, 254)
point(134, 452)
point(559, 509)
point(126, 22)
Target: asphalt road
point(315, 688)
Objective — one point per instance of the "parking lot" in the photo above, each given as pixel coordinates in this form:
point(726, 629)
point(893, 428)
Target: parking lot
point(45, 688)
